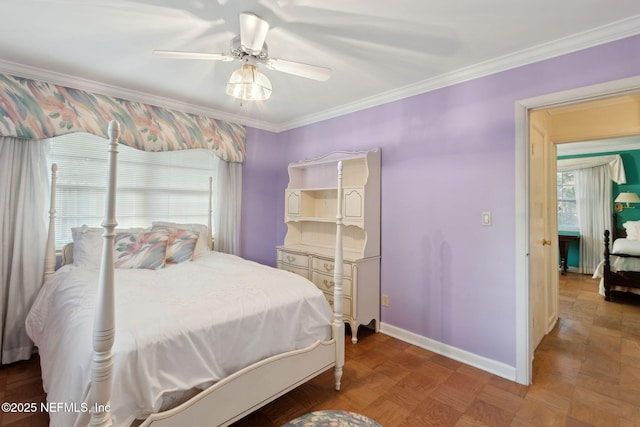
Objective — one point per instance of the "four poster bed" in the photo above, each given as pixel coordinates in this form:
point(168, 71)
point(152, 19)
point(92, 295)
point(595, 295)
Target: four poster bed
point(190, 344)
point(158, 353)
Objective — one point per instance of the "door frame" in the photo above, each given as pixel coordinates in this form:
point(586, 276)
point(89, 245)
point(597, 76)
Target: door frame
point(524, 352)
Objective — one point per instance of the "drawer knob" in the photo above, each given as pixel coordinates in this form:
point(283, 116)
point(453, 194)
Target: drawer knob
point(328, 267)
point(328, 283)
point(291, 258)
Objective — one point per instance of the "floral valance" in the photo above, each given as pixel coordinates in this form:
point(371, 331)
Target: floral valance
point(37, 110)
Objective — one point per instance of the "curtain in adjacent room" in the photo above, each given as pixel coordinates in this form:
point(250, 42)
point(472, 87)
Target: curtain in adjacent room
point(593, 201)
point(23, 235)
point(227, 210)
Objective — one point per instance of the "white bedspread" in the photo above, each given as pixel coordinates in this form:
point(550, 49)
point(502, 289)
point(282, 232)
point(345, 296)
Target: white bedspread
point(617, 264)
point(179, 327)
point(620, 246)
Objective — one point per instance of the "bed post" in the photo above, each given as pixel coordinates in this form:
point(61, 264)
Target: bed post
point(209, 236)
point(104, 324)
point(607, 268)
point(338, 274)
point(50, 254)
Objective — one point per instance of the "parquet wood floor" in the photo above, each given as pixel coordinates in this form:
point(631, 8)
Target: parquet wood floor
point(586, 372)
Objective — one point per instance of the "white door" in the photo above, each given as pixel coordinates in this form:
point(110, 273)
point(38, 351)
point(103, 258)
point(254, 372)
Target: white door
point(543, 241)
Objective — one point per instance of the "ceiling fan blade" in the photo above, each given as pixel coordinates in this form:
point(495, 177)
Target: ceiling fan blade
point(193, 55)
point(299, 69)
point(253, 32)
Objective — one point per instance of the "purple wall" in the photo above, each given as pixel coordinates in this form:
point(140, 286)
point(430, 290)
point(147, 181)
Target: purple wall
point(263, 184)
point(447, 156)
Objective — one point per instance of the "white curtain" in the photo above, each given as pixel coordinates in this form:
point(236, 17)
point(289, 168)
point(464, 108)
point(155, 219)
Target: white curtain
point(227, 210)
point(593, 202)
point(593, 177)
point(24, 198)
point(614, 164)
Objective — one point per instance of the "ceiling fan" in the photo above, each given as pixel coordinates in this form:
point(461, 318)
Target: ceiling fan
point(247, 82)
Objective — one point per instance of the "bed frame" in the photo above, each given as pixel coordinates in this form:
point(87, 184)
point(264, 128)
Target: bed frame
point(626, 279)
point(231, 398)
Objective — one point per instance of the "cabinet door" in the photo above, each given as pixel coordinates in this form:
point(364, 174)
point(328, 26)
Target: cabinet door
point(353, 204)
point(293, 203)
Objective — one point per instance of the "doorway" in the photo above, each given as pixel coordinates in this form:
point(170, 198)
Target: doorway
point(551, 128)
point(578, 104)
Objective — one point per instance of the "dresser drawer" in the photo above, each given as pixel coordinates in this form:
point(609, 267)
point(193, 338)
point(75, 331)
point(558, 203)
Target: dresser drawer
point(302, 271)
point(293, 259)
point(326, 283)
point(346, 305)
point(327, 266)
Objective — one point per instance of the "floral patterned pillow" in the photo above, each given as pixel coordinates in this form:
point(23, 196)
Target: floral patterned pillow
point(202, 245)
point(141, 250)
point(181, 246)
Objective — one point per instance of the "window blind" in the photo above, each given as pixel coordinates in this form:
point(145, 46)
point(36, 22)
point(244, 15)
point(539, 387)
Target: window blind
point(151, 186)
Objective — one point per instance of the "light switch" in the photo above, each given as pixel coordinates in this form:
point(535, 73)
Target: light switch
point(486, 218)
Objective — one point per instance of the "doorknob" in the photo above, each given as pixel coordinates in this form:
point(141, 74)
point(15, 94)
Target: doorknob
point(546, 242)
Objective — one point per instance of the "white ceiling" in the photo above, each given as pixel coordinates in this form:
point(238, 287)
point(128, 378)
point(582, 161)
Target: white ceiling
point(379, 50)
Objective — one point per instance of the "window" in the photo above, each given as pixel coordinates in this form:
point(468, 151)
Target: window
point(567, 211)
point(152, 186)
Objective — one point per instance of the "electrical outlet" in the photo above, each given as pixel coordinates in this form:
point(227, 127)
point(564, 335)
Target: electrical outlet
point(385, 300)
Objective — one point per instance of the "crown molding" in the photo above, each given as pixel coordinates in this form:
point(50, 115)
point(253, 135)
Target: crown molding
point(597, 36)
point(598, 146)
point(608, 33)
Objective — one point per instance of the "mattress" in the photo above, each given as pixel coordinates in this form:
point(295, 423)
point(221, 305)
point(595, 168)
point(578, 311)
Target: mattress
point(177, 328)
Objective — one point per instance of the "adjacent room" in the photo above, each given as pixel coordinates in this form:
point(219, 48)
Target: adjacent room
point(287, 213)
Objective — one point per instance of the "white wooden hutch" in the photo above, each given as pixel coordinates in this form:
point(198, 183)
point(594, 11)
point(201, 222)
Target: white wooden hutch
point(310, 215)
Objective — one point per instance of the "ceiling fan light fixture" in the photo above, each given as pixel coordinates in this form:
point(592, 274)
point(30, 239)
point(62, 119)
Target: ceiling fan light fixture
point(249, 84)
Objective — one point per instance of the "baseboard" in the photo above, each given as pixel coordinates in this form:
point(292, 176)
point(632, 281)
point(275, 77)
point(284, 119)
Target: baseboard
point(494, 367)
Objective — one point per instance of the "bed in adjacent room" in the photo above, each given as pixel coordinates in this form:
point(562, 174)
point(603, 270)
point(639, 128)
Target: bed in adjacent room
point(620, 269)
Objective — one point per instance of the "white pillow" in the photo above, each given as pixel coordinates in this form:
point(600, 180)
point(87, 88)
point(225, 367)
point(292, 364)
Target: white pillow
point(626, 246)
point(633, 229)
point(87, 244)
point(202, 245)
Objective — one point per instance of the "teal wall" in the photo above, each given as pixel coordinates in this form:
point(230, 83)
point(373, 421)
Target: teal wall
point(631, 161)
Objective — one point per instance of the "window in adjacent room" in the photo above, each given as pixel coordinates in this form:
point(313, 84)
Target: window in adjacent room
point(152, 186)
point(567, 211)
